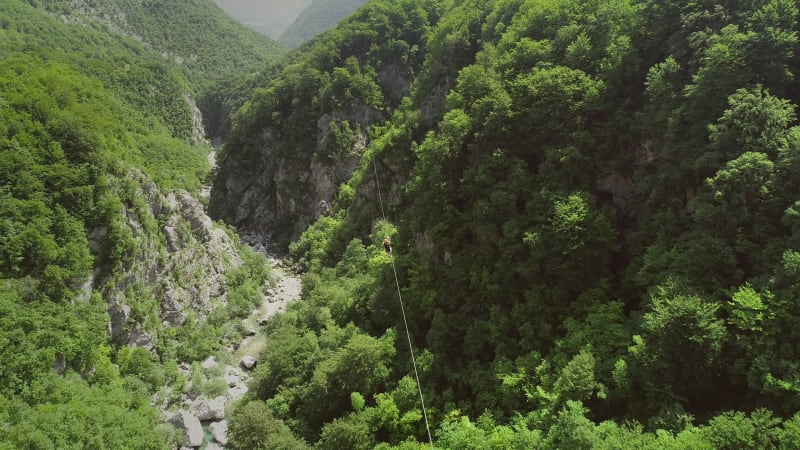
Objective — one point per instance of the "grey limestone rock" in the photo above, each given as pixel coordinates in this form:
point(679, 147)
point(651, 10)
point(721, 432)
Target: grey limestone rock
point(182, 265)
point(620, 188)
point(140, 338)
point(273, 191)
point(172, 304)
point(237, 382)
point(220, 431)
point(248, 362)
point(173, 238)
point(119, 314)
point(192, 430)
point(209, 362)
point(205, 409)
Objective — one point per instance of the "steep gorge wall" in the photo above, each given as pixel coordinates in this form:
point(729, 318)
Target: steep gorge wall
point(281, 187)
point(176, 264)
point(302, 136)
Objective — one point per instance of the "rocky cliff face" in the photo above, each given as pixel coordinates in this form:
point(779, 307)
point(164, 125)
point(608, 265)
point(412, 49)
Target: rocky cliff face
point(276, 192)
point(302, 133)
point(198, 131)
point(176, 265)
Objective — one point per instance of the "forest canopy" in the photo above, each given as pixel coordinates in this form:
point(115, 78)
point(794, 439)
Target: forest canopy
point(593, 208)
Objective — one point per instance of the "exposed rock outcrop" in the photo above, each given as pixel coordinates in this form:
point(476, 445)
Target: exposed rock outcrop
point(209, 362)
point(620, 188)
point(395, 82)
point(276, 179)
point(237, 382)
point(138, 337)
point(277, 193)
point(120, 315)
point(248, 362)
point(220, 431)
point(192, 430)
point(179, 264)
point(198, 131)
point(206, 409)
point(193, 400)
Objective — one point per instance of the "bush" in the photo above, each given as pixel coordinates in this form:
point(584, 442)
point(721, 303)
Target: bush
point(253, 427)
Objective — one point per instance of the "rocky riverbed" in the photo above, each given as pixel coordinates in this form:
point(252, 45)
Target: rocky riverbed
point(201, 416)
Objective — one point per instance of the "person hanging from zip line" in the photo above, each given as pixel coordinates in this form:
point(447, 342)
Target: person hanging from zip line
point(387, 245)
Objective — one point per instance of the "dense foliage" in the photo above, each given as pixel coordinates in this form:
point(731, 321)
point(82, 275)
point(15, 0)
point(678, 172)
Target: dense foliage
point(212, 51)
point(144, 82)
point(195, 35)
point(594, 218)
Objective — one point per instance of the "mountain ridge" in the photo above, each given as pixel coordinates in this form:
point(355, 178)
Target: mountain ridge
point(170, 28)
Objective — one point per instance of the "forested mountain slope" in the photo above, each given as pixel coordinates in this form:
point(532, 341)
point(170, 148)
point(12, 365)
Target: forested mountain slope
point(196, 35)
point(110, 272)
point(593, 206)
point(317, 17)
point(301, 136)
point(214, 53)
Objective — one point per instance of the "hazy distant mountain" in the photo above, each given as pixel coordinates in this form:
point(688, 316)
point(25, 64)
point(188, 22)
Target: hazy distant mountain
point(269, 17)
point(316, 18)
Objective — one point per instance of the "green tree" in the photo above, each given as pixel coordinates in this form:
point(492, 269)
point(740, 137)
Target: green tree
point(346, 433)
point(678, 349)
point(254, 427)
point(736, 431)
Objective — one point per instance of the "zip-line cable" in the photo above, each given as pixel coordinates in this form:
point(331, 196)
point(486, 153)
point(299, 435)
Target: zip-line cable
point(403, 310)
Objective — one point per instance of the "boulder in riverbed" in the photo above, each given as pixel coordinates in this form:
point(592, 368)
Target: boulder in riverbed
point(206, 409)
point(248, 362)
point(192, 430)
point(220, 431)
point(209, 363)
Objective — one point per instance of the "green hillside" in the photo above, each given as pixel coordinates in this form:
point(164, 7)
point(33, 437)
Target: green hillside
point(195, 35)
point(213, 52)
point(135, 92)
point(89, 121)
point(319, 16)
point(593, 207)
